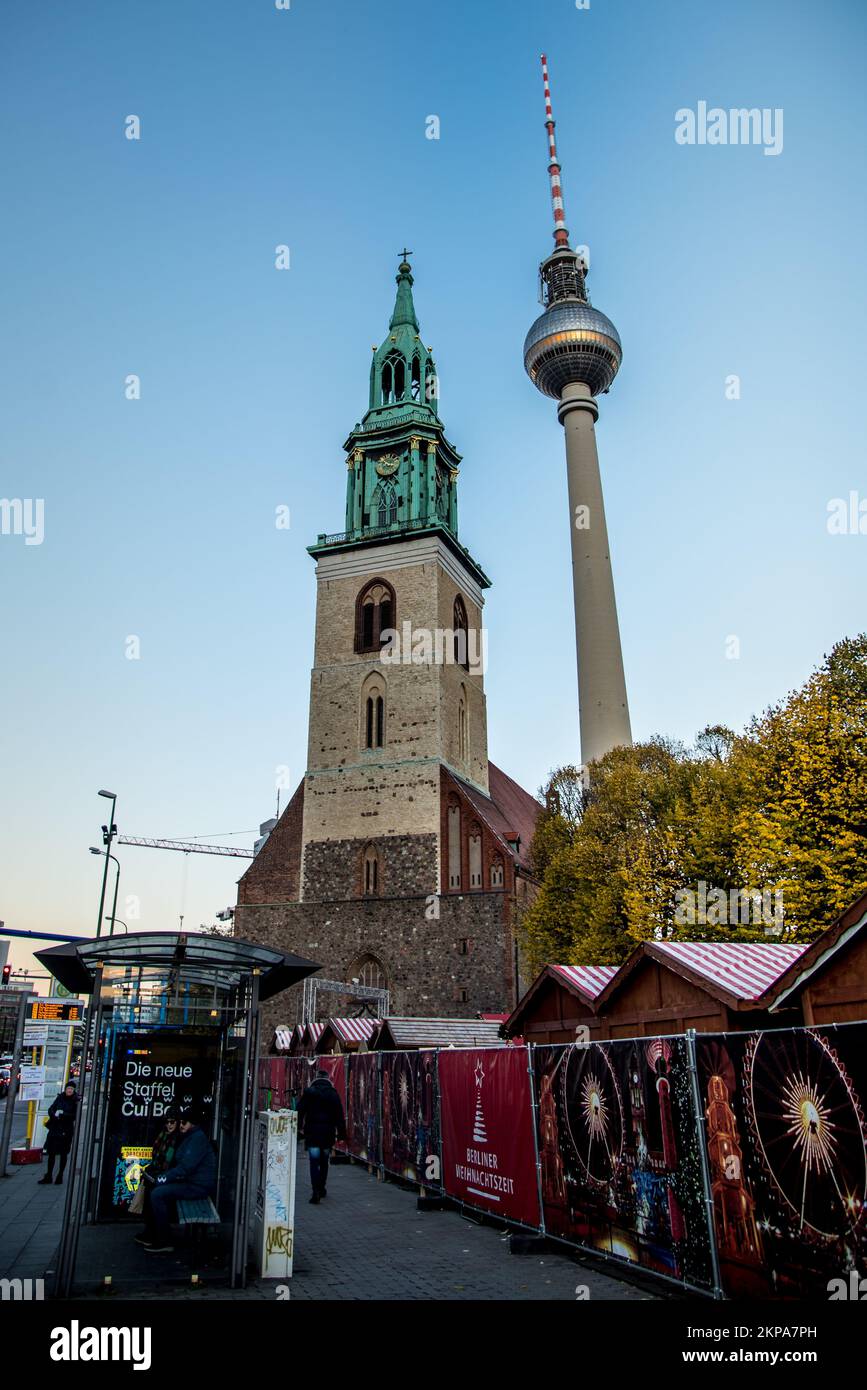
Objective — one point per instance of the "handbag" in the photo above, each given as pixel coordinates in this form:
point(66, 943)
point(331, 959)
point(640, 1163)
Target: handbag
point(136, 1206)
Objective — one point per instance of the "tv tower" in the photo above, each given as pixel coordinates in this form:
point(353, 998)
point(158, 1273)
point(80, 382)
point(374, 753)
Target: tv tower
point(572, 352)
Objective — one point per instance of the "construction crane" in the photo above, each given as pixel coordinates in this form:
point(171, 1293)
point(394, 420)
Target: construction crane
point(185, 846)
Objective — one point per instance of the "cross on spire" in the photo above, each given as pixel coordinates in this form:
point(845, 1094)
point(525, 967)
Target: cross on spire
point(404, 253)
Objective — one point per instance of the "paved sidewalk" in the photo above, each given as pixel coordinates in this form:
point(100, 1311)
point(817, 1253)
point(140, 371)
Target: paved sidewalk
point(30, 1217)
point(367, 1240)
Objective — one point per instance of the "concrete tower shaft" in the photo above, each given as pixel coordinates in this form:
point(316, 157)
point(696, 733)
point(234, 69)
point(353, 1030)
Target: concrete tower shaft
point(573, 353)
point(603, 710)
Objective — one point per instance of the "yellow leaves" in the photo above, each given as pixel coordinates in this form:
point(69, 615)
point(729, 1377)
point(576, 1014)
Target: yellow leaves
point(780, 808)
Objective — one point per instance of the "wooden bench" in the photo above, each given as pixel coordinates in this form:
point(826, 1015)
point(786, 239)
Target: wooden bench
point(198, 1218)
point(197, 1211)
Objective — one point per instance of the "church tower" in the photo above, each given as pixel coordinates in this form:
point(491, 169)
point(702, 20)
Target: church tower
point(397, 689)
point(402, 859)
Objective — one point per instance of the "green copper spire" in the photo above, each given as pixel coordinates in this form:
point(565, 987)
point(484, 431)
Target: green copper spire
point(404, 309)
point(402, 472)
point(402, 371)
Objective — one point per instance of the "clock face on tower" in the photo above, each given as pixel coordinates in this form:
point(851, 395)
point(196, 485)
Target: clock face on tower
point(387, 465)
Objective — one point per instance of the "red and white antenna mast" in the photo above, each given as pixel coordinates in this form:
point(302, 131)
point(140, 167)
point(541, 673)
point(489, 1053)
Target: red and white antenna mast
point(561, 231)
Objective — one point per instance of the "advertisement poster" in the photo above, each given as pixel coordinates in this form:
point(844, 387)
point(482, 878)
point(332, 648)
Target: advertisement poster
point(620, 1162)
point(489, 1156)
point(151, 1072)
point(362, 1107)
point(787, 1146)
point(410, 1135)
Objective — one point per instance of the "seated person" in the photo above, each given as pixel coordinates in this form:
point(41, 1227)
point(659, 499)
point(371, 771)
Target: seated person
point(192, 1174)
point(162, 1158)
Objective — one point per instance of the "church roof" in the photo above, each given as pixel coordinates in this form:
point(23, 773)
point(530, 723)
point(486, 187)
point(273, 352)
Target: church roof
point(509, 811)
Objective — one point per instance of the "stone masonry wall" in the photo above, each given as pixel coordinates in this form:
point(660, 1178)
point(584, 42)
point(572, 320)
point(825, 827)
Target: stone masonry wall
point(407, 866)
point(424, 957)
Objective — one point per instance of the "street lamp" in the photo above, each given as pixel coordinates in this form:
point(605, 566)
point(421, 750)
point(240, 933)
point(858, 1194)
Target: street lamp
point(108, 833)
point(111, 918)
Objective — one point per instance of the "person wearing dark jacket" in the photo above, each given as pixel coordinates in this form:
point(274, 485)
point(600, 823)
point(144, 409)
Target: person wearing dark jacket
point(61, 1126)
point(165, 1147)
point(320, 1121)
point(192, 1174)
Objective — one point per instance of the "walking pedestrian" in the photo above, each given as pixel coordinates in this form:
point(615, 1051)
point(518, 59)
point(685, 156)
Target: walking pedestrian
point(61, 1126)
point(320, 1121)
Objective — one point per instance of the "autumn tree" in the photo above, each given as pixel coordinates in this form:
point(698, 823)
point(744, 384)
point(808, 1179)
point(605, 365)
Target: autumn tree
point(781, 808)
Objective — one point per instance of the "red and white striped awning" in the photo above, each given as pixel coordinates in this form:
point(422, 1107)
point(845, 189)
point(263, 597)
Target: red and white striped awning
point(314, 1032)
point(590, 979)
point(353, 1029)
point(745, 968)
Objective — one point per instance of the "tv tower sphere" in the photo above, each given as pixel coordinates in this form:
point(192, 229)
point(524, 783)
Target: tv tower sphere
point(572, 341)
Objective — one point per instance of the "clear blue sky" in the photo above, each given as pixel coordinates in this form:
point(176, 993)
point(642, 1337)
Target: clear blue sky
point(307, 127)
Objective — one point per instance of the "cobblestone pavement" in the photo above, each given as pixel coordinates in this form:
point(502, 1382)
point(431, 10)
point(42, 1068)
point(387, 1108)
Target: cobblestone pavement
point(367, 1240)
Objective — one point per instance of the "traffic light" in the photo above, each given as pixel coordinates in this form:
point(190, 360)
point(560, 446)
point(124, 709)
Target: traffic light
point(7, 971)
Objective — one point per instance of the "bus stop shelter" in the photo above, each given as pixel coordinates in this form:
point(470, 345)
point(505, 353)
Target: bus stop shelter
point(173, 1020)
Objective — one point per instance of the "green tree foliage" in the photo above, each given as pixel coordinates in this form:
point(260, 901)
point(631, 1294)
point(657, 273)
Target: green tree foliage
point(780, 809)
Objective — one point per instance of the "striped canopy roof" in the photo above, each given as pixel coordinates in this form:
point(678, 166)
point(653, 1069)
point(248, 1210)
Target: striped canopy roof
point(353, 1029)
point(437, 1032)
point(590, 979)
point(745, 968)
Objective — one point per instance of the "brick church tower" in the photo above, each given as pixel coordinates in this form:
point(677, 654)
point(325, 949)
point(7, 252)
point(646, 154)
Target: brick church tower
point(403, 855)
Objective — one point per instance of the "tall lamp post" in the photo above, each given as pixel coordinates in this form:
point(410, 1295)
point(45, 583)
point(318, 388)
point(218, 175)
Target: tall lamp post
point(108, 833)
point(106, 916)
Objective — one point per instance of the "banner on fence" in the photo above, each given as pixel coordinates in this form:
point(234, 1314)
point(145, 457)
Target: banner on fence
point(619, 1152)
point(787, 1151)
point(363, 1129)
point(489, 1158)
point(410, 1132)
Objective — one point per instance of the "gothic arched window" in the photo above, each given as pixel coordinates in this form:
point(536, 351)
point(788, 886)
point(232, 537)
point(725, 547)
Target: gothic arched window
point(369, 970)
point(460, 629)
point(475, 856)
point(453, 821)
point(371, 875)
point(497, 872)
point(374, 615)
point(415, 387)
point(373, 712)
point(387, 383)
point(384, 506)
point(393, 378)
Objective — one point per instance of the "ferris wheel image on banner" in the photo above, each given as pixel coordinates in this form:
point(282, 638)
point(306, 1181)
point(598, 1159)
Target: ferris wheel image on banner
point(403, 1096)
point(593, 1111)
point(809, 1128)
